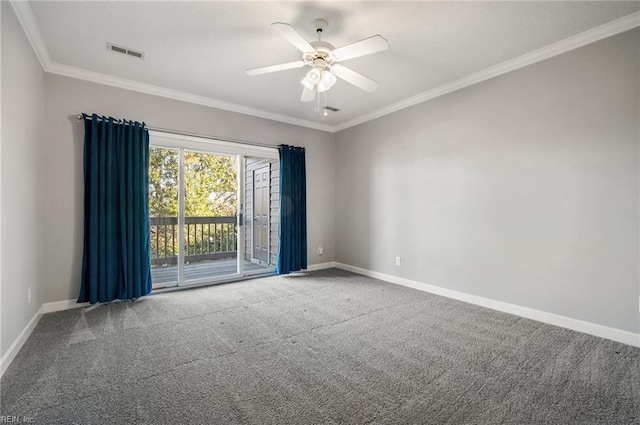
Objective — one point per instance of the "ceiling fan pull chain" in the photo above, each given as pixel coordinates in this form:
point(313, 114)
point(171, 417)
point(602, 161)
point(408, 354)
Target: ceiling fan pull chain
point(325, 113)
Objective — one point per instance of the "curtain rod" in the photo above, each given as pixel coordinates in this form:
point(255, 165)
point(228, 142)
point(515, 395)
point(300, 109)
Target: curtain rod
point(202, 136)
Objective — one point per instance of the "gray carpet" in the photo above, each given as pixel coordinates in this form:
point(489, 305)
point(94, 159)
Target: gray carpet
point(322, 348)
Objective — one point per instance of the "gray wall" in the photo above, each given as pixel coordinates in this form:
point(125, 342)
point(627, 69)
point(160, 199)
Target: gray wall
point(23, 216)
point(66, 98)
point(522, 189)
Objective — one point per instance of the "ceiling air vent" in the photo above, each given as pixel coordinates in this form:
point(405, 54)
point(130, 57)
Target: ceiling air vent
point(125, 51)
point(331, 108)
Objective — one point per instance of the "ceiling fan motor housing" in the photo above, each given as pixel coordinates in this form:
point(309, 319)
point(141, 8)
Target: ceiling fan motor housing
point(321, 56)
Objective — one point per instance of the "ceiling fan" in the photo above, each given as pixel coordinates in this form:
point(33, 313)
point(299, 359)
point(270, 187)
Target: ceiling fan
point(324, 60)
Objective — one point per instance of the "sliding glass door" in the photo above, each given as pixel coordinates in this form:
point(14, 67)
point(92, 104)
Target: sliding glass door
point(210, 230)
point(211, 210)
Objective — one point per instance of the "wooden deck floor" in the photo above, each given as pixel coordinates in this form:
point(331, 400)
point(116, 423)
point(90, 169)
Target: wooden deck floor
point(166, 274)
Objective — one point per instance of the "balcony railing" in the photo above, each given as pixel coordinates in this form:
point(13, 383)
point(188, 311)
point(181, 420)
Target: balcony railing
point(205, 238)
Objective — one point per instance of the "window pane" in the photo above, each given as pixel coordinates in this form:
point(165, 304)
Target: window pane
point(163, 215)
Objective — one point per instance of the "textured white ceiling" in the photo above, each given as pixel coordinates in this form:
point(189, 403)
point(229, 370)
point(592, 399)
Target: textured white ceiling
point(204, 48)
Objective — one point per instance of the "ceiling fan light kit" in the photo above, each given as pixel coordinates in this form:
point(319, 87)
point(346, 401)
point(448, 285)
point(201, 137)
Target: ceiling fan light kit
point(323, 59)
point(326, 81)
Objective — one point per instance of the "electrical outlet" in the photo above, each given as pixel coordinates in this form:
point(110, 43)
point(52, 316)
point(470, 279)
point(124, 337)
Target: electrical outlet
point(320, 249)
point(398, 261)
point(29, 295)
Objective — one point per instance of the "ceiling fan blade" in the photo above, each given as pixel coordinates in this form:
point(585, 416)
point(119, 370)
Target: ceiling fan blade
point(293, 37)
point(364, 47)
point(307, 95)
point(274, 68)
point(350, 76)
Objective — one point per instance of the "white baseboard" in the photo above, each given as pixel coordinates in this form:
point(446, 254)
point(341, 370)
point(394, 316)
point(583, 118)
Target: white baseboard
point(61, 305)
point(320, 266)
point(601, 331)
point(13, 350)
point(45, 308)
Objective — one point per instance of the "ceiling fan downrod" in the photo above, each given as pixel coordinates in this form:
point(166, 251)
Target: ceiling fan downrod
point(320, 25)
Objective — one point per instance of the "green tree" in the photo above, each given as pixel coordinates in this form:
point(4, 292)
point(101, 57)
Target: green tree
point(210, 184)
point(163, 182)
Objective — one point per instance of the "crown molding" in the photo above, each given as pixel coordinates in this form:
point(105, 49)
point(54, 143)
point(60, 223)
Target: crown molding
point(28, 22)
point(590, 36)
point(30, 27)
point(123, 83)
